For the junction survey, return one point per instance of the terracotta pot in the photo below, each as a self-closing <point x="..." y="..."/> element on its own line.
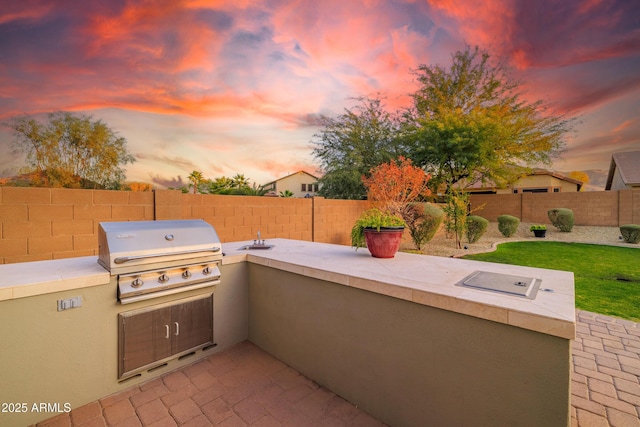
<point x="384" y="243"/>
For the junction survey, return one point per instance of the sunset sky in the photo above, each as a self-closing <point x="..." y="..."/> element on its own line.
<point x="226" y="87"/>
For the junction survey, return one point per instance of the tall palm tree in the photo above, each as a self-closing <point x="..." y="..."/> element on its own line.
<point x="195" y="178"/>
<point x="240" y="181"/>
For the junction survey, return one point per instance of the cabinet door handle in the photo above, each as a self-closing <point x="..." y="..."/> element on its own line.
<point x="177" y="328"/>
<point x="167" y="329"/>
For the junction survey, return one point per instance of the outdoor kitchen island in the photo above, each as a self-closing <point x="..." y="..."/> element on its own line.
<point x="396" y="337"/>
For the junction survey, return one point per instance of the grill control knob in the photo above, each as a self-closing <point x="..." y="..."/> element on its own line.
<point x="206" y="270"/>
<point x="163" y="278"/>
<point x="186" y="274"/>
<point x="137" y="282"/>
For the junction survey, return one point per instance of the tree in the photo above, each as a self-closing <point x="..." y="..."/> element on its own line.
<point x="138" y="186"/>
<point x="286" y="193"/>
<point x="195" y="179"/>
<point x="254" y="190"/>
<point x="222" y="185"/>
<point x="239" y="181"/>
<point x="580" y="176"/>
<point x="470" y="123"/>
<point x="350" y="145"/>
<point x="393" y="186"/>
<point x="72" y="150"/>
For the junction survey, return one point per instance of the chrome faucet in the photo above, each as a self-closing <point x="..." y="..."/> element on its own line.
<point x="258" y="242"/>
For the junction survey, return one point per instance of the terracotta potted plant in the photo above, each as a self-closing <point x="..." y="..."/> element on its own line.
<point x="379" y="231"/>
<point x="539" y="230"/>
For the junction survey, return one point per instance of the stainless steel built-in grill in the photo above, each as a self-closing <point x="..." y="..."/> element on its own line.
<point x="149" y="259"/>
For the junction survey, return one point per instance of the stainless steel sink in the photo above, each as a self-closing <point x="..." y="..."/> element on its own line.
<point x="520" y="286"/>
<point x="254" y="246"/>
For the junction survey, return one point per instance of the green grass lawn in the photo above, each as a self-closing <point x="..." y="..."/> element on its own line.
<point x="607" y="278"/>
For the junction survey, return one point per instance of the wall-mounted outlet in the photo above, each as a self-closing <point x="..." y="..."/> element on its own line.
<point x="66" y="304"/>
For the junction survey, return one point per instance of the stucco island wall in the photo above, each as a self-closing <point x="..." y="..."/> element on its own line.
<point x="409" y="364"/>
<point x="66" y="359"/>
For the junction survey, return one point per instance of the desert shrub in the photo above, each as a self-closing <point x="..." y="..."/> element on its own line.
<point x="476" y="226"/>
<point x="508" y="225"/>
<point x="630" y="233"/>
<point x="561" y="218"/>
<point x="423" y="221"/>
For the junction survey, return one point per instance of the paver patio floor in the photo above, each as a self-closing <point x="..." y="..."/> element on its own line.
<point x="244" y="386"/>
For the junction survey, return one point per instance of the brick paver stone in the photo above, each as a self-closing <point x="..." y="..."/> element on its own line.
<point x="184" y="411"/>
<point x="152" y="411"/>
<point x="86" y="413"/>
<point x="199" y="421"/>
<point x="250" y="410"/>
<point x="622" y="419"/>
<point x="589" y="419"/>
<point x="119" y="411"/>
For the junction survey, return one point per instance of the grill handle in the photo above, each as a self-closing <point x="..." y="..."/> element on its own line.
<point x="123" y="259"/>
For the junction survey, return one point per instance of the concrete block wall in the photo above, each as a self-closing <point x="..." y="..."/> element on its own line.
<point x="238" y="218"/>
<point x="333" y="219"/>
<point x="49" y="223"/>
<point x="598" y="208"/>
<point x="628" y="200"/>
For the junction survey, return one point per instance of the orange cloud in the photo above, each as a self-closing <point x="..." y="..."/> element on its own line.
<point x="624" y="125"/>
<point x="24" y="10"/>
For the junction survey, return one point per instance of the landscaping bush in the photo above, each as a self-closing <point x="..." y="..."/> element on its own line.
<point x="508" y="225"/>
<point x="476" y="226"/>
<point x="630" y="233"/>
<point x="561" y="218"/>
<point x="423" y="221"/>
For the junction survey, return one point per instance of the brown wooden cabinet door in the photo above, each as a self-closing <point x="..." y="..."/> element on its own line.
<point x="144" y="338"/>
<point x="192" y="324"/>
<point x="149" y="335"/>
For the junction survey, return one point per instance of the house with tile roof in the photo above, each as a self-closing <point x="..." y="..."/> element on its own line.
<point x="538" y="181"/>
<point x="624" y="171"/>
<point x="301" y="184"/>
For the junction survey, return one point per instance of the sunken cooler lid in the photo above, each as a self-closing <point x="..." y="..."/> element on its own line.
<point x="125" y="247"/>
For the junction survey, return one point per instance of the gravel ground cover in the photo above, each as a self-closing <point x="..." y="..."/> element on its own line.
<point x="443" y="245"/>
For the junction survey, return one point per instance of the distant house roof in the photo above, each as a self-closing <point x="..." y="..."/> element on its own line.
<point x="628" y="166"/>
<point x="559" y="176"/>
<point x="491" y="185"/>
<point x="290" y="175"/>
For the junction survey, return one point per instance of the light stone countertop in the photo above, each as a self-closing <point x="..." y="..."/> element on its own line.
<point x="27" y="279"/>
<point x="423" y="279"/>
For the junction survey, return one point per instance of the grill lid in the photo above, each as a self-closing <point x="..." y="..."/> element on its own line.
<point x="125" y="247"/>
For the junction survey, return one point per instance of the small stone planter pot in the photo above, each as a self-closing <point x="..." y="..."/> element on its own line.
<point x="540" y="233"/>
<point x="384" y="243"/>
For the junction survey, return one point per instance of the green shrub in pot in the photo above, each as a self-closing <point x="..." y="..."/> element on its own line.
<point x="373" y="218"/>
<point x="508" y="225"/>
<point x="630" y="233"/>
